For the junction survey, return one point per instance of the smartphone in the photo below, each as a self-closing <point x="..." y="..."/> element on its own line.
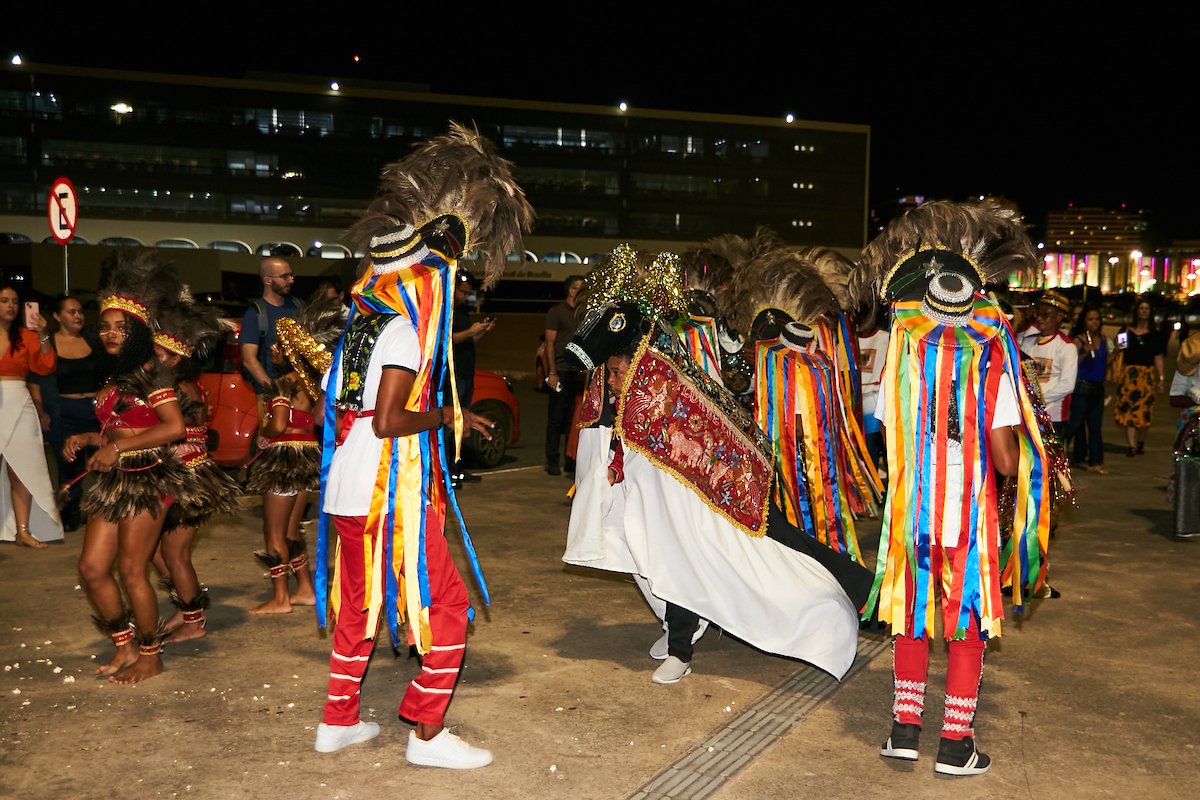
<point x="31" y="310"/>
<point x="1122" y="340"/>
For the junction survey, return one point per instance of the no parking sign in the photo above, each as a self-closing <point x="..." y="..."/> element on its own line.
<point x="62" y="210"/>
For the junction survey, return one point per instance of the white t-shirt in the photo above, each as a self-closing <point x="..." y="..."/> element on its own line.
<point x="1057" y="361"/>
<point x="872" y="351"/>
<point x="1007" y="414"/>
<point x="356" y="462"/>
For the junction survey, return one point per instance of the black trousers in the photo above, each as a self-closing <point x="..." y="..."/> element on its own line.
<point x="681" y="626"/>
<point x="560" y="406"/>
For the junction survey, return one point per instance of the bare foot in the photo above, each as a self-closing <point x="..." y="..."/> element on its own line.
<point x="144" y="667"/>
<point x="125" y="655"/>
<point x="173" y="623"/>
<point x="182" y="633"/>
<point x="273" y="606"/>
<point x="25" y="539"/>
<point x="303" y="597"/>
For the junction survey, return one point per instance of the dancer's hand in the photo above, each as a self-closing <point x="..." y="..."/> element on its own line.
<point x="104" y="459"/>
<point x="475" y="422"/>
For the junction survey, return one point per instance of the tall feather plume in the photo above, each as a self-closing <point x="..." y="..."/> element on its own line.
<point x="988" y="234"/>
<point x="198" y="325"/>
<point x="458" y="174"/>
<point x="835" y="270"/>
<point x="780" y="278"/>
<point x="734" y="253"/>
<point x="323" y="318"/>
<point x="128" y="274"/>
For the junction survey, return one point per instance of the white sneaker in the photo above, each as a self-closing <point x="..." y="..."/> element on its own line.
<point x="672" y="671"/>
<point x="659" y="649"/>
<point x="331" y="738"/>
<point x="445" y="750"/>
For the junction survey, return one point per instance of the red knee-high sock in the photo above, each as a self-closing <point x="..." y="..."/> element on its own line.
<point x="910" y="668"/>
<point x="964" y="671"/>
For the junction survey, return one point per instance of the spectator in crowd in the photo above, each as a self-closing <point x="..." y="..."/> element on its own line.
<point x="1055" y="355"/>
<point x="465" y="334"/>
<point x="258" y="323"/>
<point x="1087" y="402"/>
<point x="1141" y="347"/>
<point x="564" y="381"/>
<point x="29" y="513"/>
<point x="70" y="394"/>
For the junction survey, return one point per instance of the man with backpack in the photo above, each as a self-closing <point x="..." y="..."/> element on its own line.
<point x="258" y="323"/>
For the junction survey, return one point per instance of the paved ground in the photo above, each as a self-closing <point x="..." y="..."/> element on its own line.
<point x="1091" y="695"/>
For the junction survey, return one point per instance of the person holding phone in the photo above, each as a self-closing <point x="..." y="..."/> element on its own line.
<point x="1141" y="346"/>
<point x="1087" y="403"/>
<point x="464" y="335"/>
<point x="30" y="515"/>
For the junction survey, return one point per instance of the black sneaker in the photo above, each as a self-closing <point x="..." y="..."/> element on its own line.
<point x="959" y="757"/>
<point x="552" y="469"/>
<point x="903" y="742"/>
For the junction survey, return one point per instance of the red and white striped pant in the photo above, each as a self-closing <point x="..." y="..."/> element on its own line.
<point x="964" y="668"/>
<point x="429" y="693"/>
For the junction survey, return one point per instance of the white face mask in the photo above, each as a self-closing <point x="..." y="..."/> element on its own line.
<point x="473" y="299"/>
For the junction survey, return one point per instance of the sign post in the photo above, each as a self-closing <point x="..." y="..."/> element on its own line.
<point x="62" y="212"/>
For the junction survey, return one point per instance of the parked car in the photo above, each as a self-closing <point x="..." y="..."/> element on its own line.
<point x="233" y="412"/>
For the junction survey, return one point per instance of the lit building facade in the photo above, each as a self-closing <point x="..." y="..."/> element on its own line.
<point x="233" y="161"/>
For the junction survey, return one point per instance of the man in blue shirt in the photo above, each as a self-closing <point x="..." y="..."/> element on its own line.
<point x="258" y="323"/>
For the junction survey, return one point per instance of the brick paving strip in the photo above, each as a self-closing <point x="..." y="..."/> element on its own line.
<point x="713" y="761"/>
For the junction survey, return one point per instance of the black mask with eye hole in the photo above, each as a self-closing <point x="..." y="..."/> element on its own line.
<point x="612" y="329"/>
<point x="768" y="324"/>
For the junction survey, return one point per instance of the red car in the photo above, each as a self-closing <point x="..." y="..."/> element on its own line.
<point x="233" y="413"/>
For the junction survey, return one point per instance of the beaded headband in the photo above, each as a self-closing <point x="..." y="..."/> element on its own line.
<point x="128" y="305"/>
<point x="173" y="344"/>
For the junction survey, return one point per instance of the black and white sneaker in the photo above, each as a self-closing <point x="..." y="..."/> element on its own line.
<point x="902" y="744"/>
<point x="959" y="757"/>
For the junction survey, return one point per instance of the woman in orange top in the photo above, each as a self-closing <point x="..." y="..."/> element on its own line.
<point x="24" y="348"/>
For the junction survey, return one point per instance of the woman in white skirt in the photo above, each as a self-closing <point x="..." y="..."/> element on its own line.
<point x="30" y="515"/>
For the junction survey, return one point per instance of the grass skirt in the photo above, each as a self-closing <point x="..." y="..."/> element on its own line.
<point x="208" y="492"/>
<point x="286" y="468"/>
<point x="142" y="481"/>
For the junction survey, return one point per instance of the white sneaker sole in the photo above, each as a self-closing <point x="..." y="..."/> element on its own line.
<point x="445" y="764"/>
<point x="901" y="753"/>
<point x="669" y="682"/>
<point x="368" y="732"/>
<point x="968" y="769"/>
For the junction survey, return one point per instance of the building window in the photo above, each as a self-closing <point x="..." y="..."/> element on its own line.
<point x="541" y="137"/>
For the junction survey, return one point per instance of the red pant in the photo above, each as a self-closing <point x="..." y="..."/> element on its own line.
<point x="429" y="693"/>
<point x="964" y="670"/>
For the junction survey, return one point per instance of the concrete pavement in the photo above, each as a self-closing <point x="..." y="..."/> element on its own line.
<point x="1090" y="695"/>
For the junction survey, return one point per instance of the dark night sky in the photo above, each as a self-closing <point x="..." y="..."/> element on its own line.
<point x="1043" y="111"/>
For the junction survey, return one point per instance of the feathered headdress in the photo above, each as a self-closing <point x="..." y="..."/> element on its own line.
<point x="779" y="280"/>
<point x="460" y="175"/>
<point x="731" y="253"/>
<point x="835" y="270"/>
<point x="185" y="327"/>
<point x="983" y="242"/>
<point x="126" y="278"/>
